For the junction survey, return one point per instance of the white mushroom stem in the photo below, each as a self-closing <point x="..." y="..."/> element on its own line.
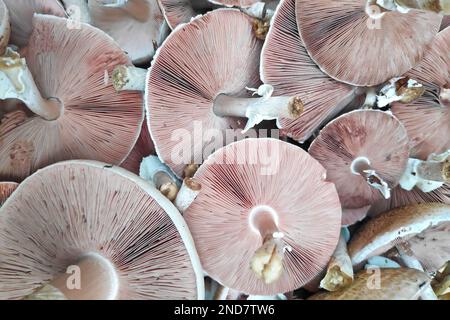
<point x="258" y="109"/>
<point x="361" y="166"/>
<point x="78" y="10"/>
<point x="221" y="292"/>
<point x="16" y="82"/>
<point x="410" y="261"/>
<point x="426" y="175"/>
<point x="371" y="99"/>
<point x="92" y="278"/>
<point x="267" y="261"/>
<point x="340" y="270"/>
<point x="445" y="95"/>
<point x="188" y="192"/>
<point x="164" y="183"/>
<point x="129" y="78"/>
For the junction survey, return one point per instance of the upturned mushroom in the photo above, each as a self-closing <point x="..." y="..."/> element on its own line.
<point x="21" y="15"/>
<point x="286" y="65"/>
<point x="363" y="43"/>
<point x="86" y="230"/>
<point x="6" y="189"/>
<point x="63" y="79"/>
<point x="381" y="284"/>
<point x="191" y="106"/>
<point x="365" y="153"/>
<point x="422" y="230"/>
<point x="254" y="239"/>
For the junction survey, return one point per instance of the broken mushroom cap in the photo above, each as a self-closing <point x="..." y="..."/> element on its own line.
<point x="190" y="107"/>
<point x="143" y="148"/>
<point x="124" y="237"/>
<point x="286" y="65"/>
<point x="365" y="153"/>
<point x="71" y="69"/>
<point x="424" y="228"/>
<point x="21" y="14"/>
<point x="427" y="119"/>
<point x="138" y="26"/>
<point x="5" y="27"/>
<point x="360" y="43"/>
<point x="381" y="284"/>
<point x="6" y="189"/>
<point x="177" y="12"/>
<point x="258" y="240"/>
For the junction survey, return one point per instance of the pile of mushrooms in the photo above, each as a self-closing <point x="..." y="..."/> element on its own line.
<point x="224" y="149"/>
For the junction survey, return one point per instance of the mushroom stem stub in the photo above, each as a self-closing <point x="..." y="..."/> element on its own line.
<point x="267" y="261"/>
<point x="164" y="183"/>
<point x="258" y="109"/>
<point x="93" y="277"/>
<point x="188" y="192"/>
<point x="361" y="166"/>
<point x="129" y="78"/>
<point x="16" y="82"/>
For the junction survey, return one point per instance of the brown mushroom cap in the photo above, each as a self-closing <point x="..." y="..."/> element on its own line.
<point x="414" y="224"/>
<point x="6" y="189"/>
<point x="286" y="65"/>
<point x="354" y="48"/>
<point x="21" y="13"/>
<point x="395" y="284"/>
<point x="73" y="209"/>
<point x="97" y="123"/>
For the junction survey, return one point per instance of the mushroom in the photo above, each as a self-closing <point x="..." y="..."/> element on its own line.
<point x="144" y="147"/>
<point x="256" y="239"/>
<point x="160" y="176"/>
<point x="381" y="284"/>
<point x="5" y="28"/>
<point x="445" y="22"/>
<point x="206" y="93"/>
<point x="365" y="153"/>
<point x="87" y="230"/>
<point x="77" y="113"/>
<point x="21" y="14"/>
<point x="6" y="189"/>
<point x="362" y="43"/>
<point x="423" y="229"/>
<point x="178" y="12"/>
<point x="286" y="66"/>
<point x="142" y="19"/>
<point x="352" y="216"/>
<point x="235" y="3"/>
<point x="427" y="119"/>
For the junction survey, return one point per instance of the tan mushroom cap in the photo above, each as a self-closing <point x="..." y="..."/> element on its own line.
<point x="399" y="225"/>
<point x="394" y="284"/>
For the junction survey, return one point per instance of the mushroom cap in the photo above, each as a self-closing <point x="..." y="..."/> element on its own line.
<point x="5" y="28"/>
<point x="427" y="119"/>
<point x="445" y="22"/>
<point x="375" y="135"/>
<point x="177" y="12"/>
<point x="417" y="224"/>
<point x="216" y="53"/>
<point x="395" y="284"/>
<point x="143" y="148"/>
<point x="352" y="216"/>
<point x="354" y="48"/>
<point x="234" y="185"/>
<point x="139" y="39"/>
<point x="235" y="3"/>
<point x="286" y="65"/>
<point x="21" y="14"/>
<point x="98" y="123"/>
<point x="6" y="189"/>
<point x="75" y="208"/>
<point x="400" y="198"/>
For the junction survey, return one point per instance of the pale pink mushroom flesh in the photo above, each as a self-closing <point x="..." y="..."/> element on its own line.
<point x="362" y="135"/>
<point x="235" y="207"/>
<point x="213" y="54"/>
<point x="96" y="122"/>
<point x="138" y="27"/>
<point x="355" y="42"/>
<point x="21" y="13"/>
<point x="77" y="209"/>
<point x="286" y="66"/>
<point x="427" y="119"/>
